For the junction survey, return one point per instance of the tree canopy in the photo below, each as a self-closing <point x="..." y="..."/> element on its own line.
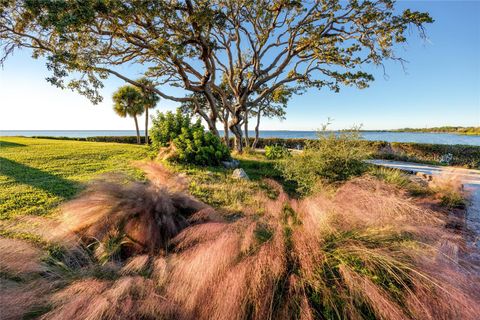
<point x="128" y="101"/>
<point x="234" y="53"/>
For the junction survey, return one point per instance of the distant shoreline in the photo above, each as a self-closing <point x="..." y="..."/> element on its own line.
<point x="473" y="132"/>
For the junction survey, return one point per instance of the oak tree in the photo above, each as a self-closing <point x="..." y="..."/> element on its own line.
<point x="253" y="46"/>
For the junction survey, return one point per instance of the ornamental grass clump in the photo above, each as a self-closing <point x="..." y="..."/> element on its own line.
<point x="120" y="217"/>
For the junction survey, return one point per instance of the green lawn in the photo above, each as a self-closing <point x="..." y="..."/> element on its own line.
<point x="38" y="174"/>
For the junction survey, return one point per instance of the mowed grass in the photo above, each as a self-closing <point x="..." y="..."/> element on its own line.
<point x="36" y="175"/>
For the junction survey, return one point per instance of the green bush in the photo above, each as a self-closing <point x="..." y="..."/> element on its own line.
<point x="196" y="146"/>
<point x="168" y="126"/>
<point x="190" y="142"/>
<point x="276" y="152"/>
<point x="331" y="158"/>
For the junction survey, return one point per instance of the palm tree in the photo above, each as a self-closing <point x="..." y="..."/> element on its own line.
<point x="150" y="100"/>
<point x="128" y="102"/>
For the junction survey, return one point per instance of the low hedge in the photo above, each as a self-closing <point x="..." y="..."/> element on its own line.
<point x="117" y="139"/>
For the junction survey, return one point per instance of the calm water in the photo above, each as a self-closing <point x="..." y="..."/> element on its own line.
<point x="420" y="137"/>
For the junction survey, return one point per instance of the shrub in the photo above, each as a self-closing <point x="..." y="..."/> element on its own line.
<point x="189" y="142"/>
<point x="167" y="126"/>
<point x="333" y="157"/>
<point x="276" y="152"/>
<point x="196" y="146"/>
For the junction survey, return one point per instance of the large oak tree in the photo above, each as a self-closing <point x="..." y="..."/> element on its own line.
<point x="252" y="47"/>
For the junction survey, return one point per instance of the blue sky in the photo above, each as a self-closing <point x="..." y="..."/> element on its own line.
<point x="439" y="86"/>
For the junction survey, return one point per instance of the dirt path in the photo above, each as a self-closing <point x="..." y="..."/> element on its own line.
<point x="469" y="177"/>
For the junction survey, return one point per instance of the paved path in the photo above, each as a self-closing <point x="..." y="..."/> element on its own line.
<point x="469" y="177"/>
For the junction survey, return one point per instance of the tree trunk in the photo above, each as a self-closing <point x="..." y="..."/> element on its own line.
<point x="245" y="128"/>
<point x="234" y="126"/>
<point x="257" y="130"/>
<point x="213" y="128"/>
<point x="136" y="127"/>
<point x="146" y="125"/>
<point x="226" y="134"/>
<point x="211" y="122"/>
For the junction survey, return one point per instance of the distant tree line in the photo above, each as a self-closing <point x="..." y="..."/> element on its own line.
<point x="445" y="129"/>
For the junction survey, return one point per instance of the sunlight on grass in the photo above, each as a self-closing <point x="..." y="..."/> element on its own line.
<point x="38" y="174"/>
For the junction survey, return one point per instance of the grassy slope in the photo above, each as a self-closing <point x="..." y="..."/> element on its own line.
<point x="37" y="174"/>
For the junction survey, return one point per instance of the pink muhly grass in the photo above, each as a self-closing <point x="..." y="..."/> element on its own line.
<point x="18" y="298"/>
<point x="367" y="251"/>
<point x="19" y="257"/>
<point x="140" y="217"/>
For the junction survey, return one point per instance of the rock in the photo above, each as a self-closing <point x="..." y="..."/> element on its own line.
<point x="240" y="174"/>
<point x="425" y="176"/>
<point x="419" y="180"/>
<point x="231" y="164"/>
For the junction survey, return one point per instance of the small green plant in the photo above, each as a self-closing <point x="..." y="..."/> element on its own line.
<point x="392" y="176"/>
<point x="276" y="152"/>
<point x="399" y="179"/>
<point x="452" y="199"/>
<point x="333" y="157"/>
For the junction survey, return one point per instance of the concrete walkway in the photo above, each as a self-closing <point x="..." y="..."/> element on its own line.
<point x="470" y="178"/>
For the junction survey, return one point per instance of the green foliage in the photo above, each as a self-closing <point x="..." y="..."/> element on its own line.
<point x="462" y="155"/>
<point x="196" y="146"/>
<point x="167" y="126"/>
<point x="149" y="98"/>
<point x="117" y="139"/>
<point x="276" y="152"/>
<point x="128" y="101"/>
<point x="453" y="200"/>
<point x="190" y="141"/>
<point x="392" y="176"/>
<point x="84" y="42"/>
<point x="399" y="179"/>
<point x="354" y="250"/>
<point x="331" y="158"/>
<point x="263" y="233"/>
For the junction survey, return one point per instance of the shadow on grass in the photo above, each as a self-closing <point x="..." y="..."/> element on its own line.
<point x="37" y="178"/>
<point x="8" y="144"/>
<point x="258" y="170"/>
